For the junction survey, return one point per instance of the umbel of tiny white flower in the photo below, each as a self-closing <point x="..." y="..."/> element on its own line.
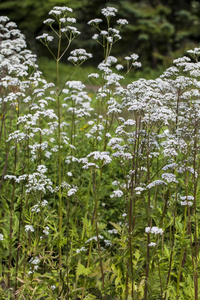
<point x="111" y="35"/>
<point x="154" y="230"/>
<point x="59" y="14"/>
<point x="29" y="228"/>
<point x="109" y="12"/>
<point x="79" y="56"/>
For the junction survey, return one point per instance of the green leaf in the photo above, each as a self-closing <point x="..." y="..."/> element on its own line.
<point x="81" y="270"/>
<point x="117" y="226"/>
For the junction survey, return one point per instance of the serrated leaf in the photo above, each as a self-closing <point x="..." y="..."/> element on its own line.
<point x="117" y="226"/>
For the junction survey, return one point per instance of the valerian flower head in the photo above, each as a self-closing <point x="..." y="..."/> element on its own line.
<point x="73" y="30"/>
<point x="195" y="52"/>
<point x="46" y="37"/>
<point x="35" y="208"/>
<point x="60" y="10"/>
<point x="186" y="203"/>
<point x="48" y="21"/>
<point x="4" y="19"/>
<point x="29" y="228"/>
<point x="102" y="156"/>
<point x="122" y="22"/>
<point x="34" y="261"/>
<point x="156" y="182"/>
<point x="53" y="287"/>
<point x="152" y="244"/>
<point x="169" y="177"/>
<point x="75" y="85"/>
<point x="83" y="249"/>
<point x="78" y="56"/>
<point x="116" y="194"/>
<point x="46" y="230"/>
<point x="95" y="75"/>
<point x="95" y="36"/>
<point x="71" y="20"/>
<point x="109" y="12"/>
<point x="95" y="21"/>
<point x="104" y="32"/>
<point x="154" y="230"/>
<point x="186" y="200"/>
<point x="119" y="67"/>
<point x="72" y="191"/>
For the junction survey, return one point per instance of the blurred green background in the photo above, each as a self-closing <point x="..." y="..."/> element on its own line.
<point x="158" y="30"/>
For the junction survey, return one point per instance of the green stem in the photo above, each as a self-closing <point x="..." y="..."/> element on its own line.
<point x="149" y="223"/>
<point x="181" y="256"/>
<point x="59" y="152"/>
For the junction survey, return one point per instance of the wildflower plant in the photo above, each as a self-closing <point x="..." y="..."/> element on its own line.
<point x="97" y="201"/>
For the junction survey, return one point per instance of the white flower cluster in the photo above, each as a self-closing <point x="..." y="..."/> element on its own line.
<point x="132" y="61"/>
<point x="15" y="59"/>
<point x="122" y="22"/>
<point x="152" y="244"/>
<point x="53" y="287"/>
<point x="46" y="37"/>
<point x="169" y="177"/>
<point x="83" y="249"/>
<point x="79" y="101"/>
<point x="111" y="35"/>
<point x="154" y="230"/>
<point x="109" y="12"/>
<point x="95" y="75"/>
<point x="78" y="56"/>
<point x="139" y="190"/>
<point x="95" y="22"/>
<point x="38" y="181"/>
<point x="35" y="208"/>
<point x="156" y="182"/>
<point x="60" y="10"/>
<point x="186" y="200"/>
<point x="46" y="230"/>
<point x="94" y="238"/>
<point x="108" y="243"/>
<point x="29" y="228"/>
<point x="116" y="194"/>
<point x="102" y="156"/>
<point x="72" y="191"/>
<point x="35" y="262"/>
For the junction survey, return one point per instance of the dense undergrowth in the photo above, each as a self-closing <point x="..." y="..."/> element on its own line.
<point x="99" y="192"/>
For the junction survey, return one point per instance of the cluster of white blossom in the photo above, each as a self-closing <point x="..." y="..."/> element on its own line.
<point x="116" y="194"/>
<point x="82" y="249"/>
<point x="154" y="230"/>
<point x="186" y="200"/>
<point x="77" y="102"/>
<point x="35" y="264"/>
<point x="39" y="182"/>
<point x="94" y="238"/>
<point x="79" y="56"/>
<point x="29" y="228"/>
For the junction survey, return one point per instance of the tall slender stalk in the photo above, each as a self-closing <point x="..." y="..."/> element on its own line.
<point x="149" y="222"/>
<point x="59" y="149"/>
<point x="181" y="255"/>
<point x="195" y="183"/>
<point x="172" y="245"/>
<point x="11" y="207"/>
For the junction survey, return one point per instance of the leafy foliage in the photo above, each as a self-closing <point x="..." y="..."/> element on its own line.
<point x="99" y="192"/>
